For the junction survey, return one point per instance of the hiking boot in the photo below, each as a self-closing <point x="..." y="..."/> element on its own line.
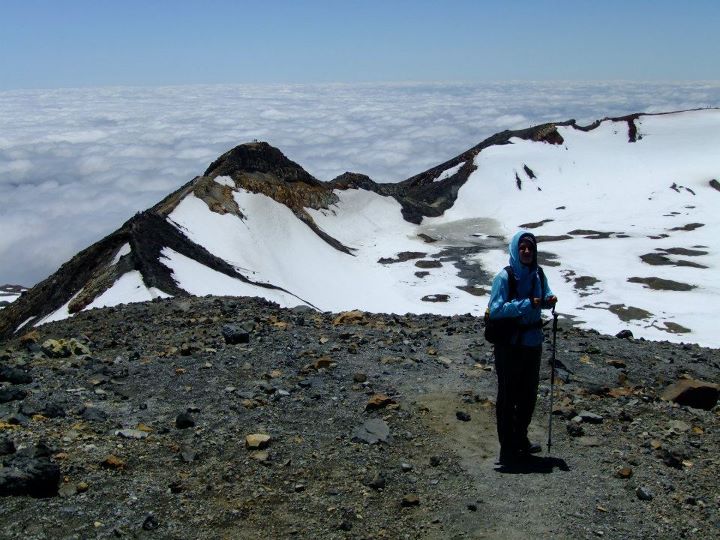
<point x="531" y="448"/>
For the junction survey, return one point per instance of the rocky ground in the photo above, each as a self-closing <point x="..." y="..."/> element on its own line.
<point x="232" y="418"/>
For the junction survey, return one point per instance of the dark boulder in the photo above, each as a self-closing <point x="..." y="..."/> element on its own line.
<point x="14" y="375"/>
<point x="234" y="335"/>
<point x="29" y="473"/>
<point x="693" y="393"/>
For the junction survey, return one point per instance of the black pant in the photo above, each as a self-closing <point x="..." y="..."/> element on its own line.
<point x="518" y="372"/>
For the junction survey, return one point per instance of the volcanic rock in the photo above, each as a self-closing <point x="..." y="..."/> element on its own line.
<point x="24" y="475"/>
<point x="234" y="335"/>
<point x="14" y="375"/>
<point x="372" y="431"/>
<point x="693" y="393"/>
<point x="257" y="441"/>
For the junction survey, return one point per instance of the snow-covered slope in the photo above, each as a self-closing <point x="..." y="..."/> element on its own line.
<point x="10" y="293"/>
<point x="625" y="211"/>
<point x="629" y="225"/>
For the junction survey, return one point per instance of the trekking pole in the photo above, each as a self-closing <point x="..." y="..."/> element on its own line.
<point x="552" y="377"/>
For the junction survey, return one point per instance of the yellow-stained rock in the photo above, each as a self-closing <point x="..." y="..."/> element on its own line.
<point x="257" y="441"/>
<point x="349" y="317"/>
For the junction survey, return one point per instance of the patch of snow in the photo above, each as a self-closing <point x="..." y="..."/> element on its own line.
<point x="124" y="250"/>
<point x="200" y="280"/>
<point x="8" y="297"/>
<point x="10" y="293"/>
<point x="225" y="181"/>
<point x="447" y="173"/>
<point x="128" y="288"/>
<point x="24" y="323"/>
<point x="59" y="314"/>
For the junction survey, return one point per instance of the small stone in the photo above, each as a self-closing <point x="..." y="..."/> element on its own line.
<point x="176" y="486"/>
<point x="349" y="317"/>
<point x="435" y="461"/>
<point x="679" y="426"/>
<point x="644" y="494"/>
<point x="82" y="487"/>
<point x="67" y="490"/>
<point x="472" y="507"/>
<point x="406" y="467"/>
<point x="187" y="454"/>
<point x="184" y="421"/>
<point x="375" y="481"/>
<point x="378" y="401"/>
<point x="93" y="414"/>
<point x="590" y="418"/>
<point x="7" y="447"/>
<point x="410" y="500"/>
<point x="261" y="456"/>
<point x="257" y="441"/>
<point x="31" y="337"/>
<point x="150" y="523"/>
<point x="574" y="429"/>
<point x="112" y="462"/>
<point x="624" y="472"/>
<point x="359" y="377"/>
<point x="624" y="334"/>
<point x="462" y="416"/>
<point x="131" y="433"/>
<point x="324" y="362"/>
<point x="17" y="419"/>
<point x="589" y="441"/>
<point x="671" y="458"/>
<point x="616" y="363"/>
<point x="298" y="488"/>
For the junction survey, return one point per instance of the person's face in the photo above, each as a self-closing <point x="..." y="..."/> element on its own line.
<point x="526" y="252"/>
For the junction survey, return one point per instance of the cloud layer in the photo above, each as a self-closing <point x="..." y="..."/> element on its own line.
<point x="76" y="163"/>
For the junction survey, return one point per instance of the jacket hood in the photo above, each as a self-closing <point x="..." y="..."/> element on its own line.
<point x="519" y="268"/>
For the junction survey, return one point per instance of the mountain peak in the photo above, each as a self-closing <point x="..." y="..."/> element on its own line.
<point x="259" y="157"/>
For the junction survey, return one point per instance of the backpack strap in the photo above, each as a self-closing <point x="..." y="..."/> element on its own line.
<point x="541" y="274"/>
<point x="512" y="283"/>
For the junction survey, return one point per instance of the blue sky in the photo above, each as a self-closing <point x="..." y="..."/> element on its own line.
<point x="71" y="43"/>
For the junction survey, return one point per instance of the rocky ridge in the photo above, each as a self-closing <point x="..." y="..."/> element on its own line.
<point x="223" y="417"/>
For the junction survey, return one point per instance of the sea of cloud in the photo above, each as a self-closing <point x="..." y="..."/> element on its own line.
<point x="76" y="163"/>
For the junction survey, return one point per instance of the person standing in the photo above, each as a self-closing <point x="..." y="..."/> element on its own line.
<point x="519" y="298"/>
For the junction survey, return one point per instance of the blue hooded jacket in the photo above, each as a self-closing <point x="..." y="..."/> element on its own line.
<point x="528" y="287"/>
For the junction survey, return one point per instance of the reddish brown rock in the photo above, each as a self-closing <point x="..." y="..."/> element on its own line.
<point x="112" y="462"/>
<point x="378" y="401"/>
